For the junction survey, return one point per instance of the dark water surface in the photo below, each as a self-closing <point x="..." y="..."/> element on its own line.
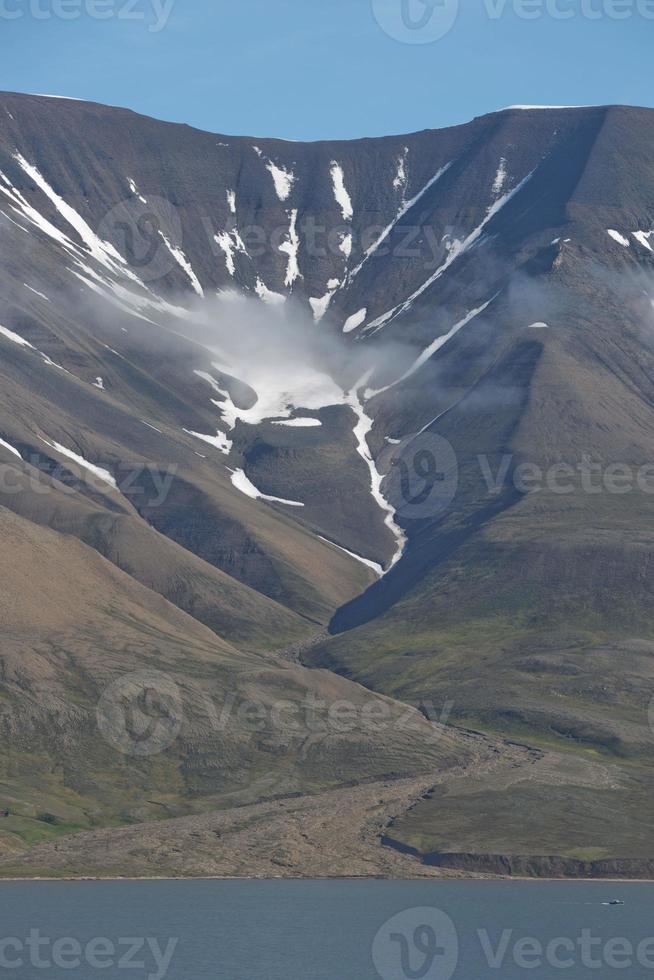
<point x="324" y="930"/>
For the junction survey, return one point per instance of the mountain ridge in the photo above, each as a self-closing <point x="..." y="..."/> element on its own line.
<point x="479" y="304"/>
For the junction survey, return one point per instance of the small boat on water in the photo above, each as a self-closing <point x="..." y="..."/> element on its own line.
<point x="615" y="901"/>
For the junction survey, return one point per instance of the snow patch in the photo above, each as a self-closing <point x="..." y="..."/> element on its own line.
<point x="345" y="245"/>
<point x="231" y="201"/>
<point x="230" y="242"/>
<point x="506" y="108"/>
<point x="64" y="98"/>
<point x="538" y="326"/>
<point x="617" y="237"/>
<point x="282" y="179"/>
<point x="224" y="241"/>
<point x="400" y="179"/>
<point x="98" y="383"/>
<point x="643" y="237"/>
<point x="280" y="390"/>
<point x="300" y="423"/>
<point x="268" y="295"/>
<point x="340" y="191"/>
<point x="500" y="178"/>
<point x="219" y="441"/>
<point x="355" y="320"/>
<point x="320" y="304"/>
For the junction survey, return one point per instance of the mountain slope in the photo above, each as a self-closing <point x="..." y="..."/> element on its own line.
<point x="398" y="387"/>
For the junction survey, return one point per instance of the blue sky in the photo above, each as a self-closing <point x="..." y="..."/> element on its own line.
<point x="314" y="69"/>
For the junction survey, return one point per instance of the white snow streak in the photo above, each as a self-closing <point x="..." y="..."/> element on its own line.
<point x="134" y="189"/>
<point x="14" y="337"/>
<point x="242" y="483"/>
<point x="290" y="248"/>
<point x="230" y="242"/>
<point x="361" y="431"/>
<point x="224" y="241"/>
<point x="37" y="293"/>
<point x="457" y="249"/>
<point x="231" y="201"/>
<point x="10" y="448"/>
<point x="103" y="252"/>
<point x="91" y="467"/>
<point x="500" y="178"/>
<point x="429" y="352"/>
<point x="22" y="207"/>
<point x="377" y="569"/>
<point x="439" y="342"/>
<point x="183" y="263"/>
<point x="398" y="217"/>
<point x="400" y="179"/>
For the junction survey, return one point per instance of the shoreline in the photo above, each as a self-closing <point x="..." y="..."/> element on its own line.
<point x="453" y="880"/>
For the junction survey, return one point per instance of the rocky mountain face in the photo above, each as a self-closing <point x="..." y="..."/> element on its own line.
<point x="358" y="423"/>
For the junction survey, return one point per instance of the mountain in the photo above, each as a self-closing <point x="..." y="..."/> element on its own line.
<point x="365" y="424"/>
